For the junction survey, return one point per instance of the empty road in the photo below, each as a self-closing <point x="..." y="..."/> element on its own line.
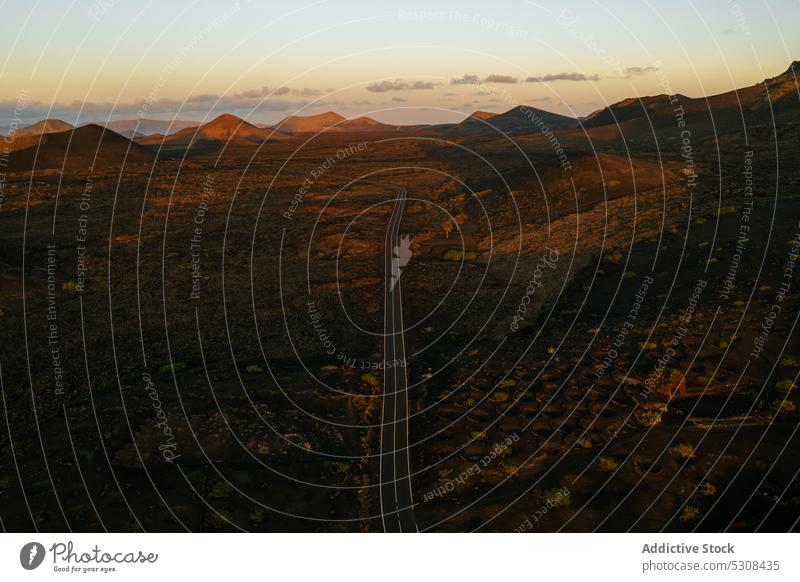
<point x="395" y="481"/>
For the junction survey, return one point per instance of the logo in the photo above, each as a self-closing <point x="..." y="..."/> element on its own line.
<point x="31" y="555"/>
<point x="401" y="254"/>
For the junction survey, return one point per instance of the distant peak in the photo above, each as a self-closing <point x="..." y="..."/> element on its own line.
<point x="226" y="118"/>
<point x="483" y="115"/>
<point x="794" y="69"/>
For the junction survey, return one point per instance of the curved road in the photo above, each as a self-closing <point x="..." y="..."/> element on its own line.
<point x="397" y="503"/>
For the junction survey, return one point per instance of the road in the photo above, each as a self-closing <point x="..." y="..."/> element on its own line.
<point x="397" y="504"/>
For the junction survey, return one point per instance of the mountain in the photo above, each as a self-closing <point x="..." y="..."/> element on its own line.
<point x="634" y="108"/>
<point x="224" y="130"/>
<point x="519" y="120"/>
<point x="328" y="121"/>
<point x="80" y="150"/>
<point x="42" y="127"/>
<point x="144" y="127"/>
<point x="777" y="94"/>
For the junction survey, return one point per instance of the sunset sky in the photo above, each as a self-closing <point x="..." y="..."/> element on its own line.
<point x="429" y="61"/>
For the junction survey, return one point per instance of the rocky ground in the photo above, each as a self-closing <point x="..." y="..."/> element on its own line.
<point x="198" y="347"/>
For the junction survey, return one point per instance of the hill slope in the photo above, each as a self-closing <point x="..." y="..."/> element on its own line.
<point x="224" y="130"/>
<point x="42" y="127"/>
<point x="519" y="120"/>
<point x="145" y="127"/>
<point x="80" y="150"/>
<point x="329" y="121"/>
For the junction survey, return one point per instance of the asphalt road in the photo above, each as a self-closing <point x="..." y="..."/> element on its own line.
<point x="397" y="504"/>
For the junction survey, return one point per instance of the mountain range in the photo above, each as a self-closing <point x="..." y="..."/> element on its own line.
<point x="47" y="141"/>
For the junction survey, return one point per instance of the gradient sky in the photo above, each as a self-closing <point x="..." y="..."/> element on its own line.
<point x="397" y="62"/>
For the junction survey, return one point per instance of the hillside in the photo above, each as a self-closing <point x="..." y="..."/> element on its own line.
<point x="226" y="129"/>
<point x="519" y="120"/>
<point x="145" y="127"/>
<point x="329" y="121"/>
<point x="80" y="150"/>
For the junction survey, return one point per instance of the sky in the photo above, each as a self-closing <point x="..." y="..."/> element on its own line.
<point x="399" y="62"/>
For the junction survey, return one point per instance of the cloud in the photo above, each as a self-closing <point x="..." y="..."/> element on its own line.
<point x="194" y="106"/>
<point x="633" y="71"/>
<point x="466" y="80"/>
<point x="400" y="85"/>
<point x="728" y="31"/>
<point x="563" y="77"/>
<point x="278" y="92"/>
<point x="500" y="79"/>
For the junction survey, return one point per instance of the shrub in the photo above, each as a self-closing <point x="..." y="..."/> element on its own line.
<point x="629" y="275"/>
<point x="508" y="469"/>
<point x="707" y="489"/>
<point x="72" y="286"/>
<point x="220" y="518"/>
<point x="607" y="464"/>
<point x="650" y="414"/>
<point x="254" y="369"/>
<point x="690" y="513"/>
<point x="370" y="380"/>
<point x="784" y="405"/>
<point x="258" y="516"/>
<point x="172" y="368"/>
<point x="683" y="451"/>
<point x="221" y="490"/>
<point x="724" y="210"/>
<point x="500" y="397"/>
<point x="788" y="363"/>
<point x="671" y="382"/>
<point x="459" y="255"/>
<point x="556" y="497"/>
<point x="785" y="385"/>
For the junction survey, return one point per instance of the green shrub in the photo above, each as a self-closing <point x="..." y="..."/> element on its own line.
<point x="458" y="255"/>
<point x="370" y="380"/>
<point x="172" y="368"/>
<point x="220" y="518"/>
<point x="689" y="513"/>
<point x="221" y="490"/>
<point x="258" y="516"/>
<point x="556" y="497"/>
